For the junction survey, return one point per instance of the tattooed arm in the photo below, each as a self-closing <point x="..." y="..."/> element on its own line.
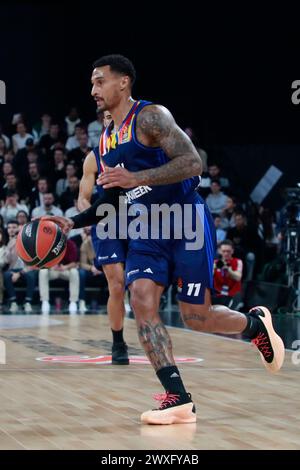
<point x="156" y="127"/>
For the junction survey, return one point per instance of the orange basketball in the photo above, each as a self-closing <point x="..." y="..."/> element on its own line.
<point x="41" y="244"/>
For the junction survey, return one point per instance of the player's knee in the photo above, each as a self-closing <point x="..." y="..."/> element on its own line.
<point x="140" y="300"/>
<point x="137" y="302"/>
<point x="116" y="288"/>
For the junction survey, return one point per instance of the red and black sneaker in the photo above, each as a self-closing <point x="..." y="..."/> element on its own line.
<point x="269" y="344"/>
<point x="173" y="409"/>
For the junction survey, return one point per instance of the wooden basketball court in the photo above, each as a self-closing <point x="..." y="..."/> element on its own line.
<point x="53" y="405"/>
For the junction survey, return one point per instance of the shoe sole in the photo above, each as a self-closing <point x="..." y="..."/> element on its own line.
<point x="182" y="414"/>
<point x="120" y="363"/>
<point x="276" y="342"/>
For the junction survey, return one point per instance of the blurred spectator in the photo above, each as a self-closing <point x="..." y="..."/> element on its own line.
<point x="32" y="157"/>
<point x="19" y="139"/>
<point x="95" y="129"/>
<point x="107" y="118"/>
<point x="11" y="207"/>
<point x="63" y="183"/>
<point x="66" y="270"/>
<point x="216" y="201"/>
<point x="228" y="213"/>
<point x="87" y="271"/>
<point x="79" y="153"/>
<point x="33" y="174"/>
<point x="49" y="141"/>
<point x="214" y="172"/>
<point x="37" y="194"/>
<point x="59" y="170"/>
<point x="9" y="156"/>
<point x="42" y="127"/>
<point x="3" y="262"/>
<point x="22" y="218"/>
<point x="71" y="193"/>
<point x="73" y="141"/>
<point x="71" y="120"/>
<point x="20" y="161"/>
<point x="7" y="169"/>
<point x="228" y="272"/>
<point x="247" y="244"/>
<point x="4" y="137"/>
<point x="31" y="177"/>
<point x="16" y="271"/>
<point x="11" y="184"/>
<point x="47" y="208"/>
<point x="221" y="234"/>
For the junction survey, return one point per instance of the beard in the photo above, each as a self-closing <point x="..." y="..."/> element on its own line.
<point x="101" y="108"/>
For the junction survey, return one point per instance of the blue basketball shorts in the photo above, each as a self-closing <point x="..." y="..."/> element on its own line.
<point x="108" y="251"/>
<point x="168" y="261"/>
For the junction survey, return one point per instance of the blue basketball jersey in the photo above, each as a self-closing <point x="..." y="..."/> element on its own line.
<point x="122" y="148"/>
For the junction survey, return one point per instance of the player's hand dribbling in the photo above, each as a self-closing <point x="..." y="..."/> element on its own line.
<point x="64" y="223"/>
<point x="117" y="177"/>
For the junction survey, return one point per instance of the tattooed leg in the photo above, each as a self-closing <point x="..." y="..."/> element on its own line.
<point x="156" y="343"/>
<point x="153" y="335"/>
<point x="212" y="318"/>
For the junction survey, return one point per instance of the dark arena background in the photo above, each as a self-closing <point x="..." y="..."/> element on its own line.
<point x="232" y="81"/>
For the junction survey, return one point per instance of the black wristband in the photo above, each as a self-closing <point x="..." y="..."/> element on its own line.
<point x="89" y="216"/>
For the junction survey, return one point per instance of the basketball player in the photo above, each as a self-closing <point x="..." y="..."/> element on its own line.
<point x="160" y="164"/>
<point x="110" y="254"/>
